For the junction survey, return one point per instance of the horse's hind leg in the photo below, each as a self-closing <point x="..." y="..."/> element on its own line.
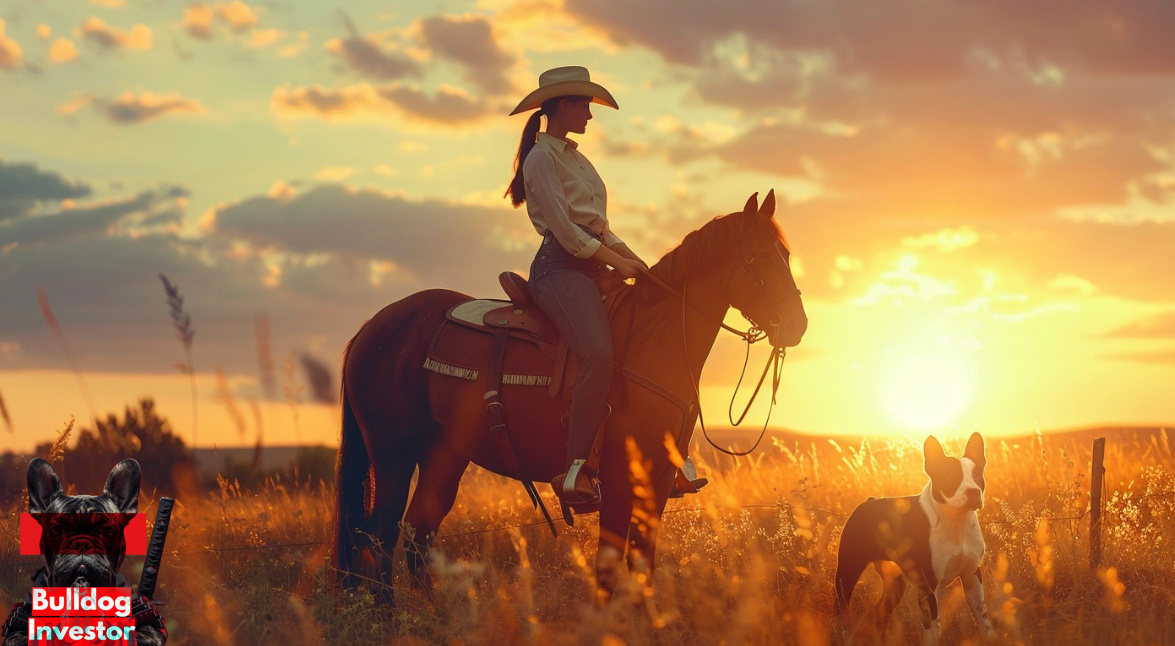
<point x="436" y="489"/>
<point x="393" y="480"/>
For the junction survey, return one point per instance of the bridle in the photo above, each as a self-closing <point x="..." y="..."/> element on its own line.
<point x="753" y="335"/>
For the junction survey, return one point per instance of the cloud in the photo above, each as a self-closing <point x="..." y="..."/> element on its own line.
<point x="264" y="37"/>
<point x="448" y="106"/>
<point x="11" y="52"/>
<point x="84" y="221"/>
<point x="62" y="51"/>
<point x="905" y="41"/>
<point x="1042" y="257"/>
<point x="1162" y="357"/>
<point x="470" y="41"/>
<point x="356" y="101"/>
<point x="545" y="26"/>
<point x="96" y="30"/>
<point x="363" y="101"/>
<point x="943" y="240"/>
<point x="367" y="57"/>
<point x="199" y="18"/>
<point x="319" y="262"/>
<point x="1155" y="326"/>
<point x="237" y="15"/>
<point x="130" y="108"/>
<point x="334" y="173"/>
<point x="430" y="239"/>
<point x="23" y="186"/>
<point x="921" y="170"/>
<point x="198" y="21"/>
<point x="974" y="110"/>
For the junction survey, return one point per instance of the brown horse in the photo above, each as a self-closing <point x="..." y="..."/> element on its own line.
<point x="399" y="417"/>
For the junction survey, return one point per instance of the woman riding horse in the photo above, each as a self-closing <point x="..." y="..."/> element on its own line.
<point x="567" y="203"/>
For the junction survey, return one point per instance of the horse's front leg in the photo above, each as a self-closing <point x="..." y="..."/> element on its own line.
<point x="615" y="515"/>
<point x="629" y="522"/>
<point x="648" y="506"/>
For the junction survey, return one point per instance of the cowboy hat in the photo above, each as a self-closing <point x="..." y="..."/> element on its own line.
<point x="572" y="80"/>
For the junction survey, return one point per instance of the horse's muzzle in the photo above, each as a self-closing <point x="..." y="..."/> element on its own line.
<point x="786" y="327"/>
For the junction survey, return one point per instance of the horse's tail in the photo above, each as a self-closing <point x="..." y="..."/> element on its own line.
<point x="352" y="478"/>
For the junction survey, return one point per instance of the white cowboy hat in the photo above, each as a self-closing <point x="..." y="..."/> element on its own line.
<point x="572" y="80"/>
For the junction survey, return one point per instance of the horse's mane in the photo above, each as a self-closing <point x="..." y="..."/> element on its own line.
<point x="698" y="252"/>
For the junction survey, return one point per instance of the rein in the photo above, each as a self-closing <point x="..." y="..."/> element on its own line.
<point x="753" y="335"/>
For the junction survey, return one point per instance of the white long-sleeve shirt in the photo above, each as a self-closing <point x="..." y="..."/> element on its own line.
<point x="564" y="190"/>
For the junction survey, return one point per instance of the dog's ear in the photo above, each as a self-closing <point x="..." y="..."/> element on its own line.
<point x="123" y="486"/>
<point x="974" y="450"/>
<point x="44" y="485"/>
<point x="933" y="453"/>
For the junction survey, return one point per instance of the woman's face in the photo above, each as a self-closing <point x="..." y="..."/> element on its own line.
<point x="575" y="113"/>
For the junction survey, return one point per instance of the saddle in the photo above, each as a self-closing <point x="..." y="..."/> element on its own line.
<point x="466" y="344"/>
<point x="473" y="340"/>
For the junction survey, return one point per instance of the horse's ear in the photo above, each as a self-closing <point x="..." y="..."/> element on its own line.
<point x="752" y="203"/>
<point x="768" y="208"/>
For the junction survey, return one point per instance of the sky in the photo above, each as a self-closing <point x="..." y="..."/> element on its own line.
<point x="979" y="197"/>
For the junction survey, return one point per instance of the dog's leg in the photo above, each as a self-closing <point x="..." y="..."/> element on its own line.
<point x="849" y="567"/>
<point x="973" y="587"/>
<point x="894" y="583"/>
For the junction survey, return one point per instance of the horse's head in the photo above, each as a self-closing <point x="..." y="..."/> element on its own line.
<point x="762" y="286"/>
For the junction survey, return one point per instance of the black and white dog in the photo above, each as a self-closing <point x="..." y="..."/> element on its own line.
<point x="928" y="540"/>
<point x="83" y="545"/>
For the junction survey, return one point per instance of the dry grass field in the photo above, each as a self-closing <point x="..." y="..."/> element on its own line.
<point x="750" y="560"/>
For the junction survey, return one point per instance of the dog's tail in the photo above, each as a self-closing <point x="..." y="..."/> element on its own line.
<point x="353" y="489"/>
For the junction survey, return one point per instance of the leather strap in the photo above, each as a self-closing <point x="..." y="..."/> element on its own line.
<point x="497" y="418"/>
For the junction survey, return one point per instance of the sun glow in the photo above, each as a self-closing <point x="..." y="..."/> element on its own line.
<point x="924" y="391"/>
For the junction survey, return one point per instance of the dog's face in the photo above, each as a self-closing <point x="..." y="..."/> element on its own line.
<point x="82" y="536"/>
<point x="956" y="482"/>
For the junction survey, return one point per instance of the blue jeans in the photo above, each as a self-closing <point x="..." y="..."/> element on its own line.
<point x="565" y="289"/>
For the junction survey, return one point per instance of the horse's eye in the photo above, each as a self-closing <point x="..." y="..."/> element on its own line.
<point x="55" y="531"/>
<point x="750" y="259"/>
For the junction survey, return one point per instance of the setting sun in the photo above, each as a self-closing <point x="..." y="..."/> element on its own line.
<point x="924" y="391"/>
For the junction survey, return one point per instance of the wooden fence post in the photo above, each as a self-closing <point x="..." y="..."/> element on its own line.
<point x="1097" y="474"/>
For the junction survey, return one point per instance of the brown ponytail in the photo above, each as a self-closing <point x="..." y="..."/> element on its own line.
<point x="517" y="189"/>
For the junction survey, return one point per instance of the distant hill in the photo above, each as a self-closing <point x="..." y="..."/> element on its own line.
<point x="272" y="457"/>
<point x="735" y="439"/>
<point x="277" y="457"/>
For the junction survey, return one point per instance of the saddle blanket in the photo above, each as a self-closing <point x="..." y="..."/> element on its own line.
<point x="462" y="345"/>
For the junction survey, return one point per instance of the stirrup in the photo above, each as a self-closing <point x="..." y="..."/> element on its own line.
<point x="686" y="480"/>
<point x="576" y="499"/>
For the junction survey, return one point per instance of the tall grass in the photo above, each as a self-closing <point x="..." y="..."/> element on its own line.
<point x="750" y="560"/>
<point x="186" y="333"/>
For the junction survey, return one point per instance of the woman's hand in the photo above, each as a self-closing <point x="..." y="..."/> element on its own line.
<point x="629" y="268"/>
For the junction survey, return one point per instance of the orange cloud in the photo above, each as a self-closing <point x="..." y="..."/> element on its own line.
<point x="10" y="50"/>
<point x="62" y="51"/>
<point x="264" y="37"/>
<point x="139" y="37"/>
<point x="198" y="21"/>
<point x="198" y="18"/>
<point x="344" y="103"/>
<point x="237" y="14"/>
